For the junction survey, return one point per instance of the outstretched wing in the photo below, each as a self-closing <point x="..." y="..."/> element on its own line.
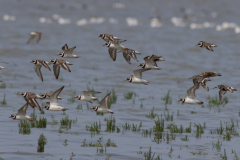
<point x="54" y="97"/>
<point x="138" y="72"/>
<point x="105" y="101"/>
<point x="56" y="70"/>
<point x="38" y="71"/>
<point x="191" y="91"/>
<point x="89" y="92"/>
<point x="113" y="53"/>
<point x="221" y="92"/>
<point x="31" y="38"/>
<point x="23" y="109"/>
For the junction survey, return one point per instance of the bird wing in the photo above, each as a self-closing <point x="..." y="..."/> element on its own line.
<point x="191" y="91"/>
<point x="127" y="57"/>
<point x="31" y="38"/>
<point x="56" y="70"/>
<point x="148" y="60"/>
<point x="45" y="65"/>
<point x="132" y="54"/>
<point x="89" y="92"/>
<point x="38" y="71"/>
<point x="65" y="66"/>
<point x="221" y="92"/>
<point x="23" y="109"/>
<point x="105" y="101"/>
<point x="35" y="103"/>
<point x="39" y="37"/>
<point x="54" y="97"/>
<point x="113" y="53"/>
<point x="65" y="47"/>
<point x="138" y="72"/>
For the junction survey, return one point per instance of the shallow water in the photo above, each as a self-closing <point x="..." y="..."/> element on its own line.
<point x="130" y="20"/>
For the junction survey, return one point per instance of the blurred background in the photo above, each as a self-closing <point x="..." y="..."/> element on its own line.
<point x="169" y="28"/>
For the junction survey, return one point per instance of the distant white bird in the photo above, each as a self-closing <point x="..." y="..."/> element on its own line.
<point x="33" y="35"/>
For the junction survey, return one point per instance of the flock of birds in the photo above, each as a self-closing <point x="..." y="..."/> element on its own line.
<point x="114" y="46"/>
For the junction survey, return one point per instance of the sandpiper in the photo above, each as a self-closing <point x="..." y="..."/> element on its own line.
<point x="150" y="62"/>
<point x="223" y="90"/>
<point x="87" y="96"/>
<point x="190" y="99"/>
<point x="21" y="115"/>
<point x="206" y="45"/>
<point x="67" y="53"/>
<point x="33" y="35"/>
<point x="210" y="74"/>
<point x="107" y="37"/>
<point x="129" y="53"/>
<point x="30" y="98"/>
<point x="113" y="47"/>
<point x="137" y="78"/>
<point x="201" y="80"/>
<point x="38" y="64"/>
<point x="56" y="66"/>
<point x="103" y="107"/>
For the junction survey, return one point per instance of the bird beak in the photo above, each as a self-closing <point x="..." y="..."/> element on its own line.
<point x="31" y="62"/>
<point x="76" y="96"/>
<point x="214" y="87"/>
<point x="10" y="117"/>
<point x="19" y="94"/>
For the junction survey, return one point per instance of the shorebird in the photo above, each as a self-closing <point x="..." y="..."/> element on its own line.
<point x="150" y="62"/>
<point x="87" y="96"/>
<point x="37" y="67"/>
<point x="190" y="99"/>
<point x="33" y="35"/>
<point x="21" y="115"/>
<point x="128" y="54"/>
<point x="56" y="66"/>
<point x="103" y="107"/>
<point x="67" y="53"/>
<point x="108" y="37"/>
<point x="223" y="90"/>
<point x="210" y="74"/>
<point x="48" y="95"/>
<point x="206" y="45"/>
<point x="137" y="78"/>
<point x="30" y="98"/>
<point x="113" y="47"/>
<point x="201" y="80"/>
<point x="53" y="104"/>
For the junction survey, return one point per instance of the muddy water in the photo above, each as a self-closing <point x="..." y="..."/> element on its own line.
<point x="79" y="24"/>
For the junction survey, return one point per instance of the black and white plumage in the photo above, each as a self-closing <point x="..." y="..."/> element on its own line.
<point x="67" y="53"/>
<point x="103" y="107"/>
<point x="37" y="67"/>
<point x="137" y="77"/>
<point x="53" y="104"/>
<point x="87" y="96"/>
<point x="56" y="66"/>
<point x="21" y="115"/>
<point x="206" y="45"/>
<point x="150" y="62"/>
<point x="190" y="98"/>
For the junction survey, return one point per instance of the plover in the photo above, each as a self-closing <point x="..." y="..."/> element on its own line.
<point x="190" y="99"/>
<point x="206" y="45"/>
<point x="137" y="78"/>
<point x="107" y="37"/>
<point x="53" y="104"/>
<point x="87" y="96"/>
<point x="150" y="62"/>
<point x="129" y="53"/>
<point x="30" y="98"/>
<point x="56" y="66"/>
<point x="210" y="74"/>
<point x="21" y="115"/>
<point x="201" y="80"/>
<point x="223" y="90"/>
<point x="113" y="47"/>
<point x="47" y="96"/>
<point x="103" y="107"/>
<point x="33" y="35"/>
<point x="67" y="53"/>
<point x="38" y="64"/>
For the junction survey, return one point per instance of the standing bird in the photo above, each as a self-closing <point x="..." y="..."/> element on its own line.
<point x="33" y="35"/>
<point x="128" y="54"/>
<point x="150" y="62"/>
<point x="38" y="64"/>
<point x="67" y="53"/>
<point x="201" y="80"/>
<point x="56" y="66"/>
<point x="206" y="45"/>
<point x="190" y="99"/>
<point x="210" y="74"/>
<point x="223" y="90"/>
<point x="137" y="78"/>
<point x="103" y="107"/>
<point x="108" y="37"/>
<point x="87" y="96"/>
<point x="30" y="98"/>
<point x="113" y="47"/>
<point x="48" y="95"/>
<point x="21" y="115"/>
<point x="53" y="104"/>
